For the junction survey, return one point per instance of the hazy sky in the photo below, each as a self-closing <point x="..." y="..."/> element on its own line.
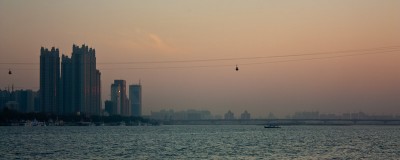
<point x="170" y="30"/>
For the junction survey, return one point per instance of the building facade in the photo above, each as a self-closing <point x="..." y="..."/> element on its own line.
<point x="245" y="115"/>
<point x="5" y="96"/>
<point x="135" y="98"/>
<point x="85" y="93"/>
<point x="229" y="115"/>
<point x="66" y="82"/>
<point x="77" y="89"/>
<point x="50" y="80"/>
<point x="116" y="99"/>
<point x="108" y="108"/>
<point x="119" y="98"/>
<point x="25" y="100"/>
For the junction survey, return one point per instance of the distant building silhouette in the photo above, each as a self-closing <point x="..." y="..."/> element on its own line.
<point x="77" y="89"/>
<point x="85" y="81"/>
<point x="181" y="115"/>
<point x="36" y="101"/>
<point x="19" y="100"/>
<point x="119" y="98"/>
<point x="50" y="80"/>
<point x="81" y="86"/>
<point x="67" y="84"/>
<point x="229" y="115"/>
<point x="306" y="115"/>
<point x="4" y="98"/>
<point x="108" y="107"/>
<point x="245" y="115"/>
<point x="25" y="100"/>
<point x="116" y="99"/>
<point x="135" y="98"/>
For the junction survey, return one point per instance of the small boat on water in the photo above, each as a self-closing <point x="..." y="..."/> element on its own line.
<point x="34" y="123"/>
<point x="122" y="123"/>
<point x="272" y="125"/>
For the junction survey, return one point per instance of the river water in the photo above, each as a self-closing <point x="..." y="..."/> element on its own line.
<point x="200" y="142"/>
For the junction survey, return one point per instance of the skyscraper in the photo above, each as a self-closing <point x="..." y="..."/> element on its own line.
<point x="80" y="81"/>
<point x="135" y="97"/>
<point x="85" y="78"/>
<point x="119" y="98"/>
<point x="97" y="93"/>
<point x="49" y="80"/>
<point x="116" y="99"/>
<point x="66" y="82"/>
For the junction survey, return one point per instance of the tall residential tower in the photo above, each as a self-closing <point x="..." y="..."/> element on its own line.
<point x="66" y="82"/>
<point x="135" y="97"/>
<point x="50" y="81"/>
<point x="119" y="98"/>
<point x="86" y="97"/>
<point x="77" y="89"/>
<point x="81" y="82"/>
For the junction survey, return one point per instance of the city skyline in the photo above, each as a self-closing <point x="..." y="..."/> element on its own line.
<point x="72" y="85"/>
<point x="137" y="31"/>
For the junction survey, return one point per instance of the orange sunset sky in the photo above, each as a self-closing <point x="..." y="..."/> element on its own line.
<point x="183" y="30"/>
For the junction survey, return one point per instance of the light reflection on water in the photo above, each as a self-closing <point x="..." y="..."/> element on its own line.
<point x="201" y="142"/>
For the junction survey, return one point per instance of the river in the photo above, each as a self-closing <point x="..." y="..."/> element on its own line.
<point x="200" y="142"/>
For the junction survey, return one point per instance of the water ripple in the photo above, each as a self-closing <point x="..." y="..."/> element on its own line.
<point x="200" y="142"/>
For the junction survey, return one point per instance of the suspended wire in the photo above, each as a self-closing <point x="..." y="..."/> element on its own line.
<point x="259" y="57"/>
<point x="329" y="57"/>
<point x="256" y="63"/>
<point x="336" y="54"/>
<point x="227" y="59"/>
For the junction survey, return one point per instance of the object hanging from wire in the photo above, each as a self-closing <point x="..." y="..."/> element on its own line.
<point x="9" y="71"/>
<point x="237" y="68"/>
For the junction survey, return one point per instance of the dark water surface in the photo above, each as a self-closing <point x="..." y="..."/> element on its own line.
<point x="200" y="142"/>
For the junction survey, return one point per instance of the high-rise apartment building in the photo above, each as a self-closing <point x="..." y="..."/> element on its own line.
<point x="84" y="91"/>
<point x="135" y="98"/>
<point x="50" y="80"/>
<point x="119" y="98"/>
<point x="66" y="82"/>
<point x="116" y="99"/>
<point x="77" y="89"/>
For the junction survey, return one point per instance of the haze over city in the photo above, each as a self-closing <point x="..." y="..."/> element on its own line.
<point x="127" y="35"/>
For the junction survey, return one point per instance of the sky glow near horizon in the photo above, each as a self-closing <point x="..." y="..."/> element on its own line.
<point x="179" y="30"/>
